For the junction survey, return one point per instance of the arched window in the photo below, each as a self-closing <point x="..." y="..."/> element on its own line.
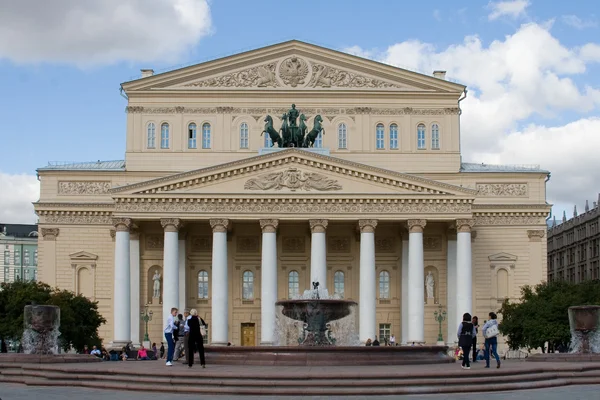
<point x="384" y="285"/>
<point x="435" y="137"/>
<point x="338" y="283"/>
<point x="203" y="285"/>
<point x="164" y="136"/>
<point x="151" y="135"/>
<point x="206" y="136"/>
<point x="379" y="137"/>
<point x="393" y="136"/>
<point x="342" y="136"/>
<point x="248" y="285"/>
<point x="293" y="285"/>
<point x="421" y="136"/>
<point x="268" y="141"/>
<point x="192" y="136"/>
<point x="319" y="141"/>
<point x="244" y="136"/>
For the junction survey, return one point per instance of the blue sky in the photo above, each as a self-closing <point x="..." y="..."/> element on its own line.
<point x="60" y="78"/>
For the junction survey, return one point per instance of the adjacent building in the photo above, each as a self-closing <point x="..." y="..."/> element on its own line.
<point x="574" y="246"/>
<point x="203" y="212"/>
<point x="20" y="252"/>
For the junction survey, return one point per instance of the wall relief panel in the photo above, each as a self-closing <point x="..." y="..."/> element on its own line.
<point x="432" y="243"/>
<point x="502" y="189"/>
<point x="293" y="244"/>
<point x="155" y="242"/>
<point x="292" y="178"/>
<point x="338" y="244"/>
<point x="247" y="244"/>
<point x="80" y="188"/>
<point x="201" y="244"/>
<point x="385" y="244"/>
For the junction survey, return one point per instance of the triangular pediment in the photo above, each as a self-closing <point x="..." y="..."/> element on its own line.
<point x="503" y="257"/>
<point x="293" y="171"/>
<point x="293" y="65"/>
<point x="83" y="256"/>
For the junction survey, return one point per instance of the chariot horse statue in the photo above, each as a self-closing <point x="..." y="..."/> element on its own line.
<point x="286" y="132"/>
<point x="311" y="136"/>
<point x="302" y="128"/>
<point x="273" y="134"/>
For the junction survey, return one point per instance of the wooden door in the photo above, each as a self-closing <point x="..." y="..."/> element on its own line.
<point x="248" y="335"/>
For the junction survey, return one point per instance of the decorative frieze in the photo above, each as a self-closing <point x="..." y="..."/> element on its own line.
<point x="292" y="178"/>
<point x="155" y="242"/>
<point x="502" y="189"/>
<point x="247" y="244"/>
<point x="338" y="244"/>
<point x="259" y="76"/>
<point x="75" y="217"/>
<point x="50" y="233"/>
<point x="326" y="76"/>
<point x="293" y="244"/>
<point x="432" y="243"/>
<point x="511" y="219"/>
<point x="201" y="244"/>
<point x="80" y="188"/>
<point x="386" y="244"/>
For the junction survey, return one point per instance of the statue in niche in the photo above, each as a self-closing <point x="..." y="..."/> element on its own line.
<point x="156" y="279"/>
<point x="429" y="285"/>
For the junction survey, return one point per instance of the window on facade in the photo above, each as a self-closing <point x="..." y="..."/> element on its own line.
<point x="205" y="337"/>
<point x="26" y="274"/>
<point x="6" y="274"/>
<point x="203" y="285"/>
<point x="319" y="141"/>
<point x="206" y="136"/>
<point x="244" y="136"/>
<point x="342" y="136"/>
<point x="293" y="285"/>
<point x="35" y="258"/>
<point x="26" y="257"/>
<point x="393" y="136"/>
<point x="151" y="135"/>
<point x="17" y="274"/>
<point x="384" y="332"/>
<point x="338" y="283"/>
<point x="384" y="285"/>
<point x="435" y="137"/>
<point x="379" y="136"/>
<point x="6" y="257"/>
<point x="35" y="274"/>
<point x="17" y="257"/>
<point x="421" y="136"/>
<point x="268" y="141"/>
<point x="164" y="136"/>
<point x="248" y="285"/>
<point x="192" y="136"/>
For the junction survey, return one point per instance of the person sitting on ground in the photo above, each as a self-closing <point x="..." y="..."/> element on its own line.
<point x="155" y="351"/>
<point x="142" y="354"/>
<point x="124" y="355"/>
<point x="85" y="350"/>
<point x="96" y="352"/>
<point x="375" y="342"/>
<point x="105" y="355"/>
<point x="369" y="343"/>
<point x="481" y="353"/>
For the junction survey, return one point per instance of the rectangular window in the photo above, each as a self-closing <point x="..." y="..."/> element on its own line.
<point x="17" y="274"/>
<point x="6" y="274"/>
<point x="35" y="258"/>
<point x="17" y="257"/>
<point x="205" y="336"/>
<point x="384" y="332"/>
<point x="6" y="257"/>
<point x="26" y="257"/>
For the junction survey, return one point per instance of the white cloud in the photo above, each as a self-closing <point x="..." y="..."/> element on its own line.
<point x="16" y="196"/>
<point x="529" y="73"/>
<point x="578" y="23"/>
<point x="93" y="32"/>
<point x="512" y="9"/>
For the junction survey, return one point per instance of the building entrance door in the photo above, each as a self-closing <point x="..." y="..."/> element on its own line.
<point x="248" y="335"/>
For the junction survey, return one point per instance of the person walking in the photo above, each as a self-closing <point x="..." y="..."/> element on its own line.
<point x="179" y="342"/>
<point x="466" y="331"/>
<point x="195" y="340"/>
<point x="475" y="322"/>
<point x="186" y="334"/>
<point x="169" y="336"/>
<point x="490" y="332"/>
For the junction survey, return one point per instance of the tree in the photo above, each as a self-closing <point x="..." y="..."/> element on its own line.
<point x="79" y="317"/>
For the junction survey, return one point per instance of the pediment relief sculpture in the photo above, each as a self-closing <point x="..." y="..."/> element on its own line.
<point x="326" y="76"/>
<point x="294" y="179"/>
<point x="260" y="76"/>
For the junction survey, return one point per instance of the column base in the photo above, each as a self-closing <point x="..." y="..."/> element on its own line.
<point x="440" y="343"/>
<point x="219" y="344"/>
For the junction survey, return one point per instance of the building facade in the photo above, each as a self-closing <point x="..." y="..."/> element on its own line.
<point x="20" y="252"/>
<point x="203" y="213"/>
<point x="574" y="247"/>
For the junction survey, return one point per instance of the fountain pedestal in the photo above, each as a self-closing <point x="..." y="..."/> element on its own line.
<point x="40" y="334"/>
<point x="584" y="322"/>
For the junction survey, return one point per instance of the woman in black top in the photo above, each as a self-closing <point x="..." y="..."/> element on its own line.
<point x="475" y="322"/>
<point x="195" y="341"/>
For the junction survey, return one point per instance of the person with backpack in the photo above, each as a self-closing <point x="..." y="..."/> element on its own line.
<point x="490" y="332"/>
<point x="466" y="333"/>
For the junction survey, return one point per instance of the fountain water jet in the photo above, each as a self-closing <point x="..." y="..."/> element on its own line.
<point x="41" y="324"/>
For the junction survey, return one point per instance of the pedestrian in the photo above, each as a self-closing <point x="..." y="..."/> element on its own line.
<point x="466" y="331"/>
<point x="376" y="342"/>
<point x="179" y="335"/>
<point x="490" y="332"/>
<point x="162" y="350"/>
<point x="475" y="321"/>
<point x="186" y="333"/>
<point x="169" y="336"/>
<point x="196" y="342"/>
<point x="392" y="340"/>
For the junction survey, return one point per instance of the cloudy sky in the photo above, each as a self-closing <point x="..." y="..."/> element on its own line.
<point x="532" y="69"/>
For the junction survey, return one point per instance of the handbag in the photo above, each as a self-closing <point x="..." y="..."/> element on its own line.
<point x="492" y="331"/>
<point x="203" y="330"/>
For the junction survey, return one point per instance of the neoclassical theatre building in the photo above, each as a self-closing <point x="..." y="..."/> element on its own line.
<point x="206" y="212"/>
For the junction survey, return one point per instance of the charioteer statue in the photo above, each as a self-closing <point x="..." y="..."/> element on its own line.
<point x="292" y="134"/>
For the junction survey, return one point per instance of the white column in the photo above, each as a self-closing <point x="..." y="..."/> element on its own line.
<point x="318" y="253"/>
<point x="121" y="295"/>
<point x="464" y="273"/>
<point x="170" y="290"/>
<point x="182" y="272"/>
<point x="404" y="294"/>
<point x="416" y="282"/>
<point x="219" y="292"/>
<point x="452" y="289"/>
<point x="134" y="257"/>
<point x="367" y="285"/>
<point x="268" y="282"/>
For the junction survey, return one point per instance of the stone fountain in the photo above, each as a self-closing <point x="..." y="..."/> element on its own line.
<point x="40" y="334"/>
<point x="584" y="322"/>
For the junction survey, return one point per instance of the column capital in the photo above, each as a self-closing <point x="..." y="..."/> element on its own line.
<point x="171" y="224"/>
<point x="134" y="232"/>
<point x="50" y="233"/>
<point x="464" y="225"/>
<point x="367" y="225"/>
<point x="451" y="232"/>
<point x="113" y="234"/>
<point x="318" y="225"/>
<point x="219" y="225"/>
<point x="122" y="224"/>
<point x="536" y="235"/>
<point x="269" y="225"/>
<point x="416" y="225"/>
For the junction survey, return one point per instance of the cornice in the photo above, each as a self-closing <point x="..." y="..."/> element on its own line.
<point x="73" y="205"/>
<point x="511" y="207"/>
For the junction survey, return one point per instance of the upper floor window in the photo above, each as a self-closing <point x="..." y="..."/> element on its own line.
<point x="342" y="137"/>
<point x="151" y="135"/>
<point x="393" y="136"/>
<point x="6" y="257"/>
<point x="17" y="259"/>
<point x="268" y="141"/>
<point x="26" y="257"/>
<point x="293" y="285"/>
<point x="244" y="136"/>
<point x="35" y="258"/>
<point x="203" y="285"/>
<point x="164" y="136"/>
<point x="384" y="285"/>
<point x="248" y="285"/>
<point x="192" y="136"/>
<point x="319" y="141"/>
<point x="338" y="283"/>
<point x="206" y="136"/>
<point x="435" y="137"/>
<point x="379" y="137"/>
<point x="421" y="136"/>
